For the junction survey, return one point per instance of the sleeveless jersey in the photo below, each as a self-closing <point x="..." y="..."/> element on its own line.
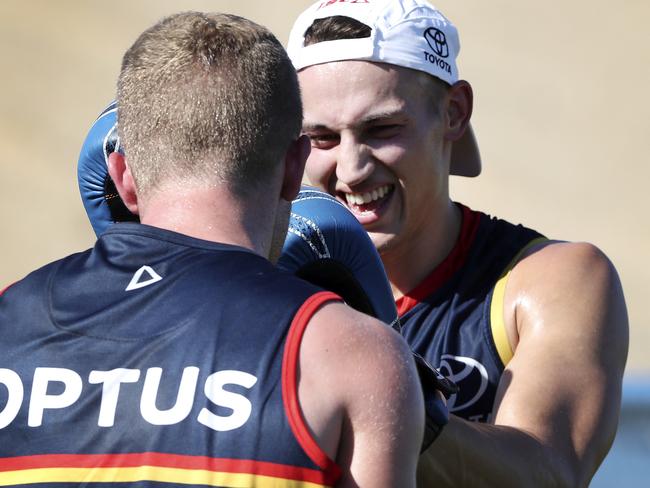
<point x="156" y="358"/>
<point x="454" y="317"/>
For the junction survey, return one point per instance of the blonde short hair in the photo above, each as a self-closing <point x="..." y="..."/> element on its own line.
<point x="206" y="97"/>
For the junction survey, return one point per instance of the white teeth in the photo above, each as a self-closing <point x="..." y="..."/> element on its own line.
<point x="364" y="198"/>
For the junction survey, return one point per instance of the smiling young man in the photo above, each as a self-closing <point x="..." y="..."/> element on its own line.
<point x="533" y="331"/>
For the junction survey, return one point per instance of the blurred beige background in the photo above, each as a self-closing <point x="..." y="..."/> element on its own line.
<point x="562" y="115"/>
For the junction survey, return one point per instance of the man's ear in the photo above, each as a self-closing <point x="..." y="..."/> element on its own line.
<point x="121" y="175"/>
<point x="294" y="167"/>
<point x="460" y="100"/>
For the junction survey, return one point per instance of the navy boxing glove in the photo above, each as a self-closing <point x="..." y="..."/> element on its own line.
<point x="325" y="245"/>
<point x="98" y="194"/>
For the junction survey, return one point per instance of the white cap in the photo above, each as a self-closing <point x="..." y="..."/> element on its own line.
<point x="408" y="33"/>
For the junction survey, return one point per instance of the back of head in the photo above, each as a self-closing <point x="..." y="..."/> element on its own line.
<point x="206" y="98"/>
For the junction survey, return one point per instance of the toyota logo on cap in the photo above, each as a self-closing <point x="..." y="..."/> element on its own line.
<point x="437" y="41"/>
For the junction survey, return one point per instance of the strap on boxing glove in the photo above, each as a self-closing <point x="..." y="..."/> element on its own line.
<point x="434" y="386"/>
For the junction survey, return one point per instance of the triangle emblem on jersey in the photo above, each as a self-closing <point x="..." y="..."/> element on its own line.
<point x="145" y="276"/>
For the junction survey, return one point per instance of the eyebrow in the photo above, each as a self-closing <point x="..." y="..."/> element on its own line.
<point x="314" y="127"/>
<point x="369" y="120"/>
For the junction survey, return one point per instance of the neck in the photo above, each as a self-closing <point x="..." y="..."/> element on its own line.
<point x="413" y="260"/>
<point x="213" y="214"/>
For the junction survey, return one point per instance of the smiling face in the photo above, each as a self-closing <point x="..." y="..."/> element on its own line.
<point x="378" y="146"/>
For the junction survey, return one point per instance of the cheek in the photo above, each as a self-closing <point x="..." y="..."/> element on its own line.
<point x="393" y="158"/>
<point x="319" y="169"/>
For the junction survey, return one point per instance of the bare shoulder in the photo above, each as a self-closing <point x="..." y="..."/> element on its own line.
<point x="358" y="380"/>
<point x="573" y="258"/>
<point x="576" y="282"/>
<point x="358" y="345"/>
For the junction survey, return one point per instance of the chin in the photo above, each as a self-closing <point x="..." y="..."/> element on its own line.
<point x="383" y="242"/>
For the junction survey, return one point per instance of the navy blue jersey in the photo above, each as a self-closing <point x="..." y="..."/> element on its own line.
<point x="155" y="357"/>
<point x="454" y="318"/>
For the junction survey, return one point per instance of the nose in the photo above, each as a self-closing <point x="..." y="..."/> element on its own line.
<point x="354" y="161"/>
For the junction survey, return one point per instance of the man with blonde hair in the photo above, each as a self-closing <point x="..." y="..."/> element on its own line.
<point x="174" y="351"/>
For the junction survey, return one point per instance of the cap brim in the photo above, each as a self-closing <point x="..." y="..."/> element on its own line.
<point x="465" y="156"/>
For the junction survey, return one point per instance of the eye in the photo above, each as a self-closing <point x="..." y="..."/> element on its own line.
<point x="323" y="140"/>
<point x="384" y="131"/>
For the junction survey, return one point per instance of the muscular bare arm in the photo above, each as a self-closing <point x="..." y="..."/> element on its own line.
<point x="558" y="400"/>
<point x="361" y="397"/>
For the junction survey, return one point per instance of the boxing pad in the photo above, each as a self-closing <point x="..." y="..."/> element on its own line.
<point x="325" y="245"/>
<point x="98" y="194"/>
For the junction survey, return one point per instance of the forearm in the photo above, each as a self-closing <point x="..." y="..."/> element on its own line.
<point x="469" y="454"/>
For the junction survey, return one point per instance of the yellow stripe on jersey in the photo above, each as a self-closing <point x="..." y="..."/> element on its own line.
<point x="497" y="320"/>
<point x="148" y="473"/>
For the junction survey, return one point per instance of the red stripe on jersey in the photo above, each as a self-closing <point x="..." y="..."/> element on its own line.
<point x="6" y="288"/>
<point x="160" y="460"/>
<point x="446" y="269"/>
<point x="331" y="470"/>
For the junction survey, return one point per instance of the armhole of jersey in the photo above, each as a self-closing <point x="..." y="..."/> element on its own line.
<point x="497" y="320"/>
<point x="290" y="385"/>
